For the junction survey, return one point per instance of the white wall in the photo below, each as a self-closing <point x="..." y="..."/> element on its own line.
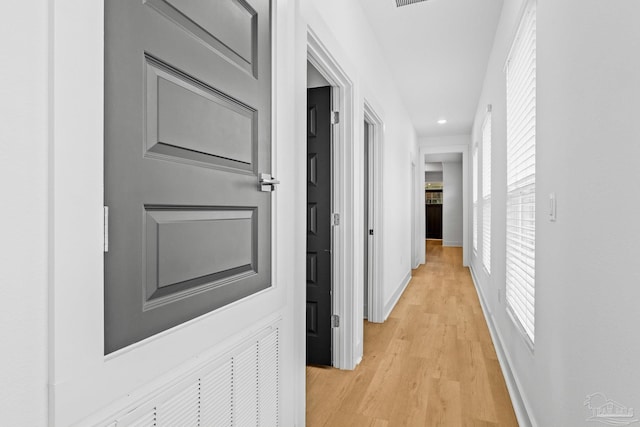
<point x="587" y="293"/>
<point x="433" y="176"/>
<point x="23" y="217"/>
<point x="343" y="28"/>
<point x="452" y="204"/>
<point x="443" y="141"/>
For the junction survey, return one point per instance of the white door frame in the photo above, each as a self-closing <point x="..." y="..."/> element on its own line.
<point x="375" y="298"/>
<point x="443" y="149"/>
<point x="342" y="177"/>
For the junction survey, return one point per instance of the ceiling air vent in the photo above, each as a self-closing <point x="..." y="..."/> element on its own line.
<point x="400" y="3"/>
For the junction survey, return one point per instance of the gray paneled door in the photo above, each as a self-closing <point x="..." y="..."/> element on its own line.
<point x="187" y="132"/>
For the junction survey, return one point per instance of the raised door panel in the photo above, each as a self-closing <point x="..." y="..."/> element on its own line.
<point x="192" y="251"/>
<point x="230" y="27"/>
<point x="187" y="120"/>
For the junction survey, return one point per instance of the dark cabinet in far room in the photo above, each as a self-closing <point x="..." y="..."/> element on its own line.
<point x="433" y="208"/>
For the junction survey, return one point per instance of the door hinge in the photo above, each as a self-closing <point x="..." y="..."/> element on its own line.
<point x="106" y="228"/>
<point x="335" y="321"/>
<point x="335" y="117"/>
<point x="335" y="219"/>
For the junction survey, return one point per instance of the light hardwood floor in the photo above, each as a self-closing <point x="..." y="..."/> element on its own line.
<point x="432" y="363"/>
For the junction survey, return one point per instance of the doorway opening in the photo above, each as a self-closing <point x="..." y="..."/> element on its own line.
<point x="444" y="216"/>
<point x="346" y="215"/>
<point x="343" y="333"/>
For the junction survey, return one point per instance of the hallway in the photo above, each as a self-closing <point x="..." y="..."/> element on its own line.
<point x="432" y="363"/>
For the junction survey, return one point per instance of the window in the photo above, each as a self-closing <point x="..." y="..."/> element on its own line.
<point x="486" y="191"/>
<point x="521" y="174"/>
<point x="475" y="197"/>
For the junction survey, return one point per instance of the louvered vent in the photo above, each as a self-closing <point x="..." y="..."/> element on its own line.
<point x="241" y="389"/>
<point x="400" y="3"/>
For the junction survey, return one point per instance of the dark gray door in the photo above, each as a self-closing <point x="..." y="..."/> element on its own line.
<point x="319" y="226"/>
<point x="187" y="132"/>
<point x="367" y="230"/>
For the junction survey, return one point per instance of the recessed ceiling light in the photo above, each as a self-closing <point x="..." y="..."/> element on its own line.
<point x="442" y="121"/>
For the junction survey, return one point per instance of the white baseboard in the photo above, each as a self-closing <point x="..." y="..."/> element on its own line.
<point x="520" y="404"/>
<point x="454" y="244"/>
<point x="388" y="307"/>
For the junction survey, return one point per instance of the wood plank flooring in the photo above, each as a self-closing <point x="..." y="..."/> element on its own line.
<point x="432" y="363"/>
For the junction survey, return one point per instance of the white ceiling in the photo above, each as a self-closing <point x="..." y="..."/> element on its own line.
<point x="438" y="52"/>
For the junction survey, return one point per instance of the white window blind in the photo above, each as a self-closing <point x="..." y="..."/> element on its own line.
<point x="475" y="197"/>
<point x="486" y="155"/>
<point x="486" y="191"/>
<point x="521" y="173"/>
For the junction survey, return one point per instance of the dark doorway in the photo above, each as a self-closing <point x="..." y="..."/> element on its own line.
<point x="319" y="348"/>
<point x="368" y="211"/>
<point x="433" y="205"/>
